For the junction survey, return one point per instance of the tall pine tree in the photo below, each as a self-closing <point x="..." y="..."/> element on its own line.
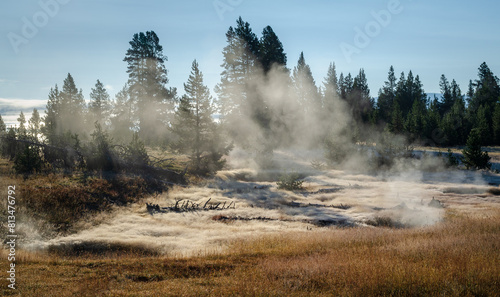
<point x="195" y="128"/>
<point x="147" y="83"/>
<point x="99" y="106"/>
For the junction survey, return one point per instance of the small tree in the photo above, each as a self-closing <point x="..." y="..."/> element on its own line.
<point x="29" y="160"/>
<point x="135" y="152"/>
<point x="474" y="157"/>
<point x="34" y="125"/>
<point x="100" y="155"/>
<point x="196" y="131"/>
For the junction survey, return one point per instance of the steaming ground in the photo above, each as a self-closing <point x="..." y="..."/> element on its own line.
<point x="331" y="199"/>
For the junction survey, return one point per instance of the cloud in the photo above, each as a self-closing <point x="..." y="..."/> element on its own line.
<point x="11" y="104"/>
<point x="109" y="87"/>
<point x="10" y="108"/>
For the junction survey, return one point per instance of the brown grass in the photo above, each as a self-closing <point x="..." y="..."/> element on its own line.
<point x="459" y="257"/>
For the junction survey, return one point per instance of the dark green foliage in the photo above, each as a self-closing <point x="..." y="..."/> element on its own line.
<point x="496" y="123"/>
<point x="290" y="181"/>
<point x="271" y="50"/>
<point x="99" y="106"/>
<point x="397" y="120"/>
<point x="451" y="160"/>
<point x="147" y="84"/>
<point x="135" y="152"/>
<point x="9" y="144"/>
<point x="386" y="97"/>
<point x="29" y="160"/>
<point x="99" y="154"/>
<point x="474" y="157"/>
<point x="3" y="127"/>
<point x="122" y="116"/>
<point x="196" y="131"/>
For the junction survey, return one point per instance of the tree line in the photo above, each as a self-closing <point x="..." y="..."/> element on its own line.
<point x="260" y="105"/>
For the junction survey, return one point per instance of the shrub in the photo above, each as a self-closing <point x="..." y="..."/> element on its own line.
<point x="474" y="157"/>
<point x="290" y="182"/>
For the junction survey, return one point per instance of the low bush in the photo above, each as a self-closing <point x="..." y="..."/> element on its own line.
<point x="290" y="182"/>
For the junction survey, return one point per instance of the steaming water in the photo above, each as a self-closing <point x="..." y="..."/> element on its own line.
<point x="263" y="209"/>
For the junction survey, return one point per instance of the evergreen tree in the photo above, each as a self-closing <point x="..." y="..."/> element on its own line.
<point x="237" y="99"/>
<point x="121" y="117"/>
<point x="34" y="125"/>
<point x="447" y="97"/>
<point x="305" y="86"/>
<point x="386" y="96"/>
<point x="147" y="83"/>
<point x="21" y="129"/>
<point x="359" y="98"/>
<point x="99" y="106"/>
<point x="483" y="125"/>
<point x="3" y="127"/>
<point x="397" y="121"/>
<point x="271" y="50"/>
<point x="330" y="87"/>
<point x="72" y="109"/>
<point x="496" y="124"/>
<point x="50" y="127"/>
<point x="474" y="157"/>
<point x="415" y="122"/>
<point x="194" y="127"/>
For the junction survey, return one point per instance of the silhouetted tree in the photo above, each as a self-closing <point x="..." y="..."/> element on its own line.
<point x="21" y="129"/>
<point x="34" y="125"/>
<point x="386" y="96"/>
<point x="305" y="87"/>
<point x="194" y="127"/>
<point x="474" y="157"/>
<point x="99" y="105"/>
<point x="121" y="117"/>
<point x="147" y="83"/>
<point x="271" y="50"/>
<point x="330" y="93"/>
<point x="3" y="127"/>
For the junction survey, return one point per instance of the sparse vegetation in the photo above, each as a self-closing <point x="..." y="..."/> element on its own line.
<point x="290" y="182"/>
<point x="350" y="262"/>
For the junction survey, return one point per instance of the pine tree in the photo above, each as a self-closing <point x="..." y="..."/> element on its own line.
<point x="447" y="97"/>
<point x="50" y="127"/>
<point x="21" y="129"/>
<point x="121" y="116"/>
<point x="34" y="125"/>
<point x="99" y="106"/>
<point x="330" y="89"/>
<point x="397" y="121"/>
<point x="236" y="99"/>
<point x="474" y="157"/>
<point x="147" y="83"/>
<point x="3" y="127"/>
<point x="496" y="124"/>
<point x="359" y="98"/>
<point x="194" y="127"/>
<point x="271" y="50"/>
<point x="386" y="96"/>
<point x="72" y="107"/>
<point x="305" y="88"/>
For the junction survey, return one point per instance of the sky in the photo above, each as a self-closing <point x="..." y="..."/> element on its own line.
<point x="41" y="41"/>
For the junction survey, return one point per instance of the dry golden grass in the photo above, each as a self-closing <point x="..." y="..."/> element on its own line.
<point x="459" y="257"/>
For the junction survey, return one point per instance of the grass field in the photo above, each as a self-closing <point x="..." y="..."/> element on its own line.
<point x="458" y="257"/>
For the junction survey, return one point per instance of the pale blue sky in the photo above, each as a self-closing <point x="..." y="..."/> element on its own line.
<point x="89" y="38"/>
